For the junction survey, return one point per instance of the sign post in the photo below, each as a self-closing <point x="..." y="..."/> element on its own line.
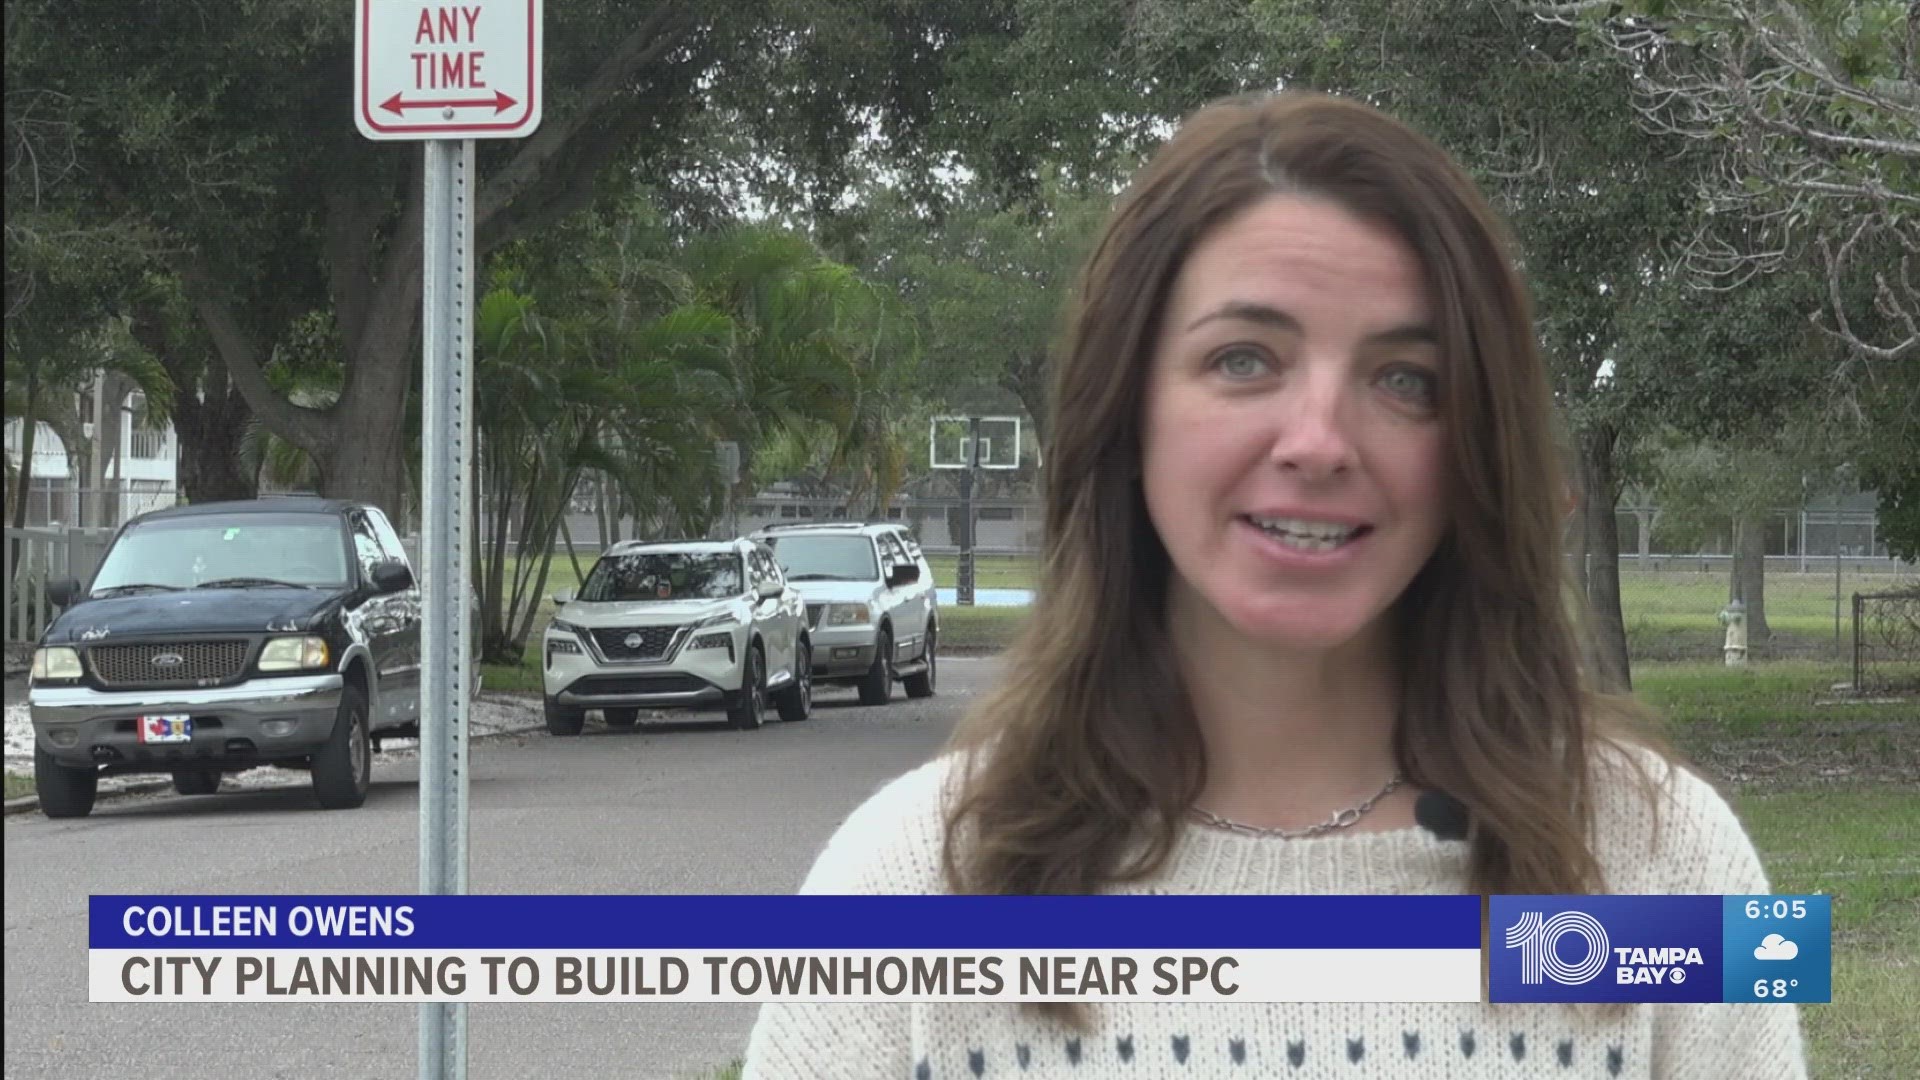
<point x="446" y="74"/>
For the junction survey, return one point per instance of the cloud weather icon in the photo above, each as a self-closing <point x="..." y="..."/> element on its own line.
<point x="1775" y="947"/>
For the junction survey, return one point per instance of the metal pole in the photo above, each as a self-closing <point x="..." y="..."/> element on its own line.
<point x="447" y="506"/>
<point x="963" y="589"/>
<point x="97" y="457"/>
<point x="1803" y="539"/>
<point x="1836" y="584"/>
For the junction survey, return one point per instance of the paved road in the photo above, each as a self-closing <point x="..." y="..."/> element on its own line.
<point x="687" y="807"/>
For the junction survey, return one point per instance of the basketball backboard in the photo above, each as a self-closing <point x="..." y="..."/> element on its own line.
<point x="950" y="442"/>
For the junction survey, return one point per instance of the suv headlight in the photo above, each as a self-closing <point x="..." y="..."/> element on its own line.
<point x="56" y="663"/>
<point x="294" y="654"/>
<point x="848" y="615"/>
<point x="715" y="633"/>
<point x="561" y="626"/>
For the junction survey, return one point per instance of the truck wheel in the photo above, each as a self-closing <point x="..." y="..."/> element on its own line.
<point x="621" y="719"/>
<point x="796" y="698"/>
<point x="65" y="791"/>
<point x="921" y="684"/>
<point x="876" y="687"/>
<point x="563" y="720"/>
<point x="343" y="768"/>
<point x="196" y="781"/>
<point x="749" y="709"/>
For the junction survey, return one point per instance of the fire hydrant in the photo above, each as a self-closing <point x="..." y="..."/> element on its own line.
<point x="1734" y="618"/>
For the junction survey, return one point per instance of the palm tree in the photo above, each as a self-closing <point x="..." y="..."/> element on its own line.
<point x="49" y="365"/>
<point x="820" y="352"/>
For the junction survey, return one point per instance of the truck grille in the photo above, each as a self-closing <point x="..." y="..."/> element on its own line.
<point x="183" y="663"/>
<point x="651" y="643"/>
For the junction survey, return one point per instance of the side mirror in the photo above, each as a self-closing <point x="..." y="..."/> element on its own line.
<point x="564" y="596"/>
<point x="61" y="593"/>
<point x="770" y="589"/>
<point x="392" y="575"/>
<point x="905" y="574"/>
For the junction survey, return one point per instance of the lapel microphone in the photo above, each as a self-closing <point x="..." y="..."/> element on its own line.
<point x="1442" y="815"/>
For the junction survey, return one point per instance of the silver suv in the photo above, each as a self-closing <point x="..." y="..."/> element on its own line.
<point x="870" y="603"/>
<point x="678" y="625"/>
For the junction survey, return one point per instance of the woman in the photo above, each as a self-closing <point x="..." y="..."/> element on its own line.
<point x="1302" y="568"/>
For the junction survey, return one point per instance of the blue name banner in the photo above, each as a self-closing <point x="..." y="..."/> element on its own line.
<point x="1659" y="948"/>
<point x="496" y="922"/>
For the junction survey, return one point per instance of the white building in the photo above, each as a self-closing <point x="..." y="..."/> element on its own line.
<point x="137" y="472"/>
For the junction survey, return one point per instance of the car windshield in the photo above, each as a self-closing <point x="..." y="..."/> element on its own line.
<point x="185" y="553"/>
<point x="825" y="558"/>
<point x="664" y="575"/>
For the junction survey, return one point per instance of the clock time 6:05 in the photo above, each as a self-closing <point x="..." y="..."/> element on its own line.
<point x="1778" y="909"/>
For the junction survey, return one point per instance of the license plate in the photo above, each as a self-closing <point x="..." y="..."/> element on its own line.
<point x="168" y="728"/>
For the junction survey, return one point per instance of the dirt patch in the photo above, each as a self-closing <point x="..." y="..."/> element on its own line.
<point x="1808" y="753"/>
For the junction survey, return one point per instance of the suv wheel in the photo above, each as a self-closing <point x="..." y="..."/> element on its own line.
<point x="196" y="781"/>
<point x="343" y="769"/>
<point x="563" y="719"/>
<point x="65" y="791"/>
<point x="876" y="688"/>
<point x="796" y="698"/>
<point x="921" y="684"/>
<point x="749" y="709"/>
<point x="621" y="719"/>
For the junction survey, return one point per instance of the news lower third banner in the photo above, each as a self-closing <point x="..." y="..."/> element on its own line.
<point x="490" y="948"/>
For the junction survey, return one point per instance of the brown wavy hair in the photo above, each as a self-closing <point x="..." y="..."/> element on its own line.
<point x="1084" y="761"/>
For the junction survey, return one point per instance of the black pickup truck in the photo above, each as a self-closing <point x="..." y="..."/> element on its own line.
<point x="219" y="637"/>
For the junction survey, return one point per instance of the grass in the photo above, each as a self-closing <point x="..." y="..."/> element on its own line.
<point x="1858" y="847"/>
<point x="19" y="785"/>
<point x="989" y="571"/>
<point x="1695" y="692"/>
<point x="1830" y="793"/>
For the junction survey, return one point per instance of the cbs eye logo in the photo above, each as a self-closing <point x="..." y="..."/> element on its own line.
<point x="1538" y="939"/>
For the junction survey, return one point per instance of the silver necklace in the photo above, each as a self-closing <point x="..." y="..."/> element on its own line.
<point x="1341" y="820"/>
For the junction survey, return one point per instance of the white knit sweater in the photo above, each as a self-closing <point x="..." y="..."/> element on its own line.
<point x="891" y="844"/>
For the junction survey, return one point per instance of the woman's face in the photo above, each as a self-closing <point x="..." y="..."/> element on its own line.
<point x="1292" y="456"/>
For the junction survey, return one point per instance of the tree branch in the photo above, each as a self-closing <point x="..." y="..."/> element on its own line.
<point x="1890" y="305"/>
<point x="305" y="428"/>
<point x="548" y="203"/>
<point x="663" y="28"/>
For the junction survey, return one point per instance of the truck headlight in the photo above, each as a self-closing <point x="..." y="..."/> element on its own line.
<point x="849" y="615"/>
<point x="55" y="663"/>
<point x="294" y="654"/>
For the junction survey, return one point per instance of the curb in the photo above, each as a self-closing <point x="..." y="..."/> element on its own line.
<point x="29" y="803"/>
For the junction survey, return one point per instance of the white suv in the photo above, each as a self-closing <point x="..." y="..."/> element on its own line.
<point x="678" y="625"/>
<point x="871" y="603"/>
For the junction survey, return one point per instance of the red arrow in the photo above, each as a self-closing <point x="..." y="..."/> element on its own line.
<point x="500" y="102"/>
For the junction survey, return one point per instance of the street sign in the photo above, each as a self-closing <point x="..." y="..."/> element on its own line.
<point x="463" y="70"/>
<point x="446" y="74"/>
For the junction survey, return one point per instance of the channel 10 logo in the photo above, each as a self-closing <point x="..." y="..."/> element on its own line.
<point x="1605" y="948"/>
<point x="1538" y="939"/>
